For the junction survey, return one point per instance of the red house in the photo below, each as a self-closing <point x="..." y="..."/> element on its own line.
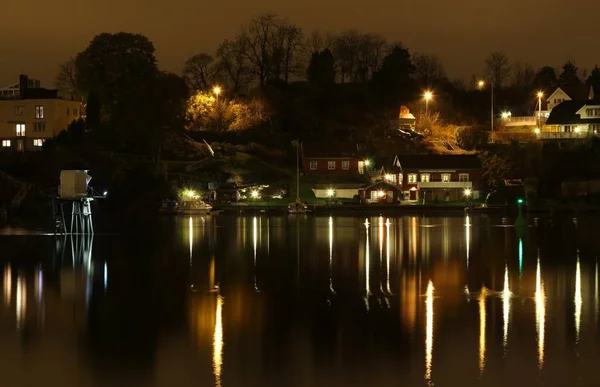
<point x="328" y="159"/>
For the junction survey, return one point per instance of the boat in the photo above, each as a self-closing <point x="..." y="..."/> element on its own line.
<point x="298" y="207"/>
<point x="194" y="207"/>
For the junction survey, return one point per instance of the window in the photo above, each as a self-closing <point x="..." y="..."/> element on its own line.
<point x="425" y="177"/>
<point x="412" y="178"/>
<point x="5" y="143"/>
<point x="38" y="142"/>
<point x="391" y="177"/>
<point x="18" y="110"/>
<point x="314" y="165"/>
<point x="75" y="112"/>
<point x="445" y="177"/>
<point x="39" y="111"/>
<point x="331" y="165"/>
<point x="20" y="129"/>
<point x="346" y="165"/>
<point x="39" y="126"/>
<point x="463" y="177"/>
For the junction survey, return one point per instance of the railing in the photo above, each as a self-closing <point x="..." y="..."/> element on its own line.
<point x="563" y="135"/>
<point x="449" y="184"/>
<point x="523" y="121"/>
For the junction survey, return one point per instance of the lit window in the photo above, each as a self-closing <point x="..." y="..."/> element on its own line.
<point x="412" y="178"/>
<point x="38" y="142"/>
<point x="463" y="177"/>
<point x="391" y="177"/>
<point x="445" y="177"/>
<point x="39" y="126"/>
<point x="425" y="177"/>
<point x="20" y="129"/>
<point x="18" y="110"/>
<point x="331" y="165"/>
<point x="6" y="143"/>
<point x="39" y="111"/>
<point x="314" y="165"/>
<point x="346" y="165"/>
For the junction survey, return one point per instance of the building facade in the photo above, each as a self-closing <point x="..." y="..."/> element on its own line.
<point x="32" y="116"/>
<point x="318" y="159"/>
<point x="576" y="119"/>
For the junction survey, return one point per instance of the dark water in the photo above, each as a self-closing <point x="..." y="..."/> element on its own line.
<point x="306" y="301"/>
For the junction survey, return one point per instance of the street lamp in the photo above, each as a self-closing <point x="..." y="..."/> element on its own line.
<point x="481" y="84"/>
<point x="428" y="95"/>
<point x="540" y="95"/>
<point x="217" y="91"/>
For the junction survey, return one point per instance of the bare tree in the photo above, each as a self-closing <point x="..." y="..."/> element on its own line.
<point x="291" y="50"/>
<point x="497" y="68"/>
<point x="345" y="50"/>
<point x="233" y="64"/>
<point x="199" y="72"/>
<point x="523" y="75"/>
<point x="262" y="42"/>
<point x="428" y="69"/>
<point x="66" y="80"/>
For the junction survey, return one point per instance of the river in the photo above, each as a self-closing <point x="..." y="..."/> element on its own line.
<point x="303" y="301"/>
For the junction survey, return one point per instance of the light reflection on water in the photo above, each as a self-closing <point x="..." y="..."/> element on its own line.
<point x="383" y="304"/>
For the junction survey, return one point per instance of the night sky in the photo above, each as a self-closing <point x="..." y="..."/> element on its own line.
<point x="35" y="35"/>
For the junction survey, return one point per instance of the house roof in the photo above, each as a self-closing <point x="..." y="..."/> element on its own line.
<point x="379" y="184"/>
<point x="439" y="162"/>
<point x="566" y="113"/>
<point x="575" y="92"/>
<point x="329" y="149"/>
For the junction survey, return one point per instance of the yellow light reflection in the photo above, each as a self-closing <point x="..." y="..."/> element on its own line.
<point x="468" y="237"/>
<point x="331" y="255"/>
<point x="7" y="285"/>
<point x="429" y="332"/>
<point x="191" y="237"/>
<point x="540" y="313"/>
<point x="387" y="255"/>
<point x="482" y="321"/>
<point x="21" y="300"/>
<point x="255" y="243"/>
<point x="367" y="267"/>
<point x="39" y="285"/>
<point x="413" y="239"/>
<point x="578" y="301"/>
<point x="380" y="234"/>
<point x="506" y="294"/>
<point x="218" y="342"/>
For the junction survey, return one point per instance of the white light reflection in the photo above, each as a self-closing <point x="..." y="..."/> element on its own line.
<point x="596" y="290"/>
<point x="380" y="232"/>
<point x="506" y="295"/>
<point x="482" y="322"/>
<point x="218" y="342"/>
<point x="255" y="242"/>
<point x="21" y="301"/>
<point x="468" y="237"/>
<point x="39" y="284"/>
<point x="7" y="284"/>
<point x="578" y="301"/>
<point x="387" y="255"/>
<point x="191" y="236"/>
<point x="520" y="257"/>
<point x="105" y="276"/>
<point x="429" y="332"/>
<point x="367" y="266"/>
<point x="331" y="255"/>
<point x="540" y="313"/>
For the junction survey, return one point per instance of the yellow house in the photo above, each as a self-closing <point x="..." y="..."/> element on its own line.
<point x="32" y="115"/>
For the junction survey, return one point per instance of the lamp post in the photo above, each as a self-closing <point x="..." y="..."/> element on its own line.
<point x="217" y="91"/>
<point x="540" y="95"/>
<point x="428" y="95"/>
<point x="480" y="85"/>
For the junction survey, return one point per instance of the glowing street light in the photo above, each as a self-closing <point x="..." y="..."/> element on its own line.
<point x="540" y="94"/>
<point x="217" y="91"/>
<point x="480" y="85"/>
<point x="506" y="115"/>
<point x="537" y="130"/>
<point x="428" y="96"/>
<point x="468" y="193"/>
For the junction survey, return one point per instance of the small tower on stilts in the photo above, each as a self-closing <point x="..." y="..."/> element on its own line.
<point x="74" y="192"/>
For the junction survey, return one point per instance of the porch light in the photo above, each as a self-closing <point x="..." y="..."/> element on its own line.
<point x="380" y="194"/>
<point x="254" y="194"/>
<point x="367" y="162"/>
<point x="577" y="129"/>
<point x="536" y="130"/>
<point x="330" y="192"/>
<point x="467" y="192"/>
<point x="506" y="115"/>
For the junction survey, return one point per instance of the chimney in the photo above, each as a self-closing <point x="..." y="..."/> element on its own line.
<point x="23" y="85"/>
